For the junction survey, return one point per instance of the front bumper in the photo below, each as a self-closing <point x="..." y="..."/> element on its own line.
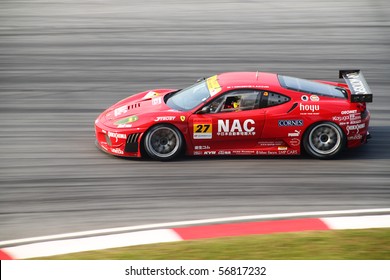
<point x="118" y="142"/>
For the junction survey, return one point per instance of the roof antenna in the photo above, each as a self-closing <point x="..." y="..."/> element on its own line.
<point x="257" y="75"/>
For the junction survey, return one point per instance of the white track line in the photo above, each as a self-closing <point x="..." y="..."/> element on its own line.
<point x="68" y="246"/>
<point x="360" y="222"/>
<point x="196" y="222"/>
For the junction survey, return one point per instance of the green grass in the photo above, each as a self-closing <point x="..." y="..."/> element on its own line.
<point x="368" y="244"/>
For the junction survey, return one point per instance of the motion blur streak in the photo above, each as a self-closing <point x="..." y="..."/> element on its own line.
<point x="63" y="62"/>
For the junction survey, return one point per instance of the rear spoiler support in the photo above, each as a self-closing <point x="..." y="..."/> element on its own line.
<point x="360" y="91"/>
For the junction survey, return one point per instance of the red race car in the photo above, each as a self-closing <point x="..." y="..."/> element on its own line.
<point x="240" y="113"/>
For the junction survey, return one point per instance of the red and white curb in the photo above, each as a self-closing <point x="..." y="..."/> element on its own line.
<point x="46" y="246"/>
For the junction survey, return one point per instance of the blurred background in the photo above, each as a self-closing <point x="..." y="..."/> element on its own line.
<point x="62" y="62"/>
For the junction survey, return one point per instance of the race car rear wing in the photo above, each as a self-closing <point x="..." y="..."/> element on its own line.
<point x="360" y="91"/>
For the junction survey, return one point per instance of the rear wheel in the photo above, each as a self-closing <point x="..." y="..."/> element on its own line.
<point x="163" y="142"/>
<point x="324" y="140"/>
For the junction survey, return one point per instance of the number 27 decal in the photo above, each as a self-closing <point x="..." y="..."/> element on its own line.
<point x="203" y="129"/>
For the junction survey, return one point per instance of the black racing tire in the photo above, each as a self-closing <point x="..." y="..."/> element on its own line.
<point x="324" y="140"/>
<point x="163" y="142"/>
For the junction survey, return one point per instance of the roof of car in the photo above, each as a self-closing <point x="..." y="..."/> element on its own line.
<point x="246" y="79"/>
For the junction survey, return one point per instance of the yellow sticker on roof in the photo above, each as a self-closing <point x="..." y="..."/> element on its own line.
<point x="213" y="85"/>
<point x="150" y="94"/>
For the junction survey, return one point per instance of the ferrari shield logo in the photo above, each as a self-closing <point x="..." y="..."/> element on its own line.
<point x="182" y="118"/>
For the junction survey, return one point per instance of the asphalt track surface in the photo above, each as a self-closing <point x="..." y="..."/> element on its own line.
<point x="63" y="62"/>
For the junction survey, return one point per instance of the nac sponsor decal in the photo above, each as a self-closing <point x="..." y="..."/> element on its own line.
<point x="203" y="129"/>
<point x="236" y="127"/>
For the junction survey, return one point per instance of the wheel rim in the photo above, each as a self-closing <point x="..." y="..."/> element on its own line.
<point x="324" y="139"/>
<point x="163" y="142"/>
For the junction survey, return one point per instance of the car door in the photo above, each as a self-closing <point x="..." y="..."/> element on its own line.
<point x="229" y="124"/>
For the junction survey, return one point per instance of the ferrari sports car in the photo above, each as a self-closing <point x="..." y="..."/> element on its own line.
<point x="240" y="113"/>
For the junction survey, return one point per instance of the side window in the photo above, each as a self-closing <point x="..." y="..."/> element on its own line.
<point x="216" y="105"/>
<point x="239" y="100"/>
<point x="269" y="99"/>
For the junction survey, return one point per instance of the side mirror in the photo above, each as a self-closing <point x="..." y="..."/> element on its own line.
<point x="204" y="110"/>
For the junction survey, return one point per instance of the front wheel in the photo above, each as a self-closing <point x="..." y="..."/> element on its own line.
<point x="163" y="142"/>
<point x="324" y="140"/>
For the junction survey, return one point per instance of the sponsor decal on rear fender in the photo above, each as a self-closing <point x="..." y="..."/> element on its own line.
<point x="309" y="109"/>
<point x="348" y="117"/>
<point x="356" y="127"/>
<point x="296" y="133"/>
<point x="290" y="122"/>
<point x="295" y="142"/>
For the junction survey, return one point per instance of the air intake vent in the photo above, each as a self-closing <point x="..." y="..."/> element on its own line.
<point x="132" y="143"/>
<point x="133" y="106"/>
<point x="133" y="138"/>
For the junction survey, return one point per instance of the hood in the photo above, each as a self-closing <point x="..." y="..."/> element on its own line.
<point x="126" y="110"/>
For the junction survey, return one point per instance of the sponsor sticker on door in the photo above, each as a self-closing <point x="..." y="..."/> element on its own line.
<point x="203" y="129"/>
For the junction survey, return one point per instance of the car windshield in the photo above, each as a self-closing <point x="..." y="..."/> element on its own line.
<point x="311" y="87"/>
<point x="189" y="98"/>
